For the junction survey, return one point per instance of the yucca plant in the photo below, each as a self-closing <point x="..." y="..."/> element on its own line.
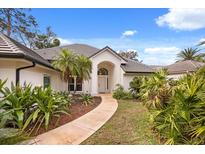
<point x="86" y="99"/>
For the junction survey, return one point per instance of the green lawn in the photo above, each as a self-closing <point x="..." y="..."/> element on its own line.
<point x="129" y="125"/>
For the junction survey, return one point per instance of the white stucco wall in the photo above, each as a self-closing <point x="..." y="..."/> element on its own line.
<point x="175" y="76"/>
<point x="106" y="56"/>
<point x="31" y="75"/>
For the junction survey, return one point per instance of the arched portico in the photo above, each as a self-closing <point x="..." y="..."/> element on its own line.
<point x="105" y="77"/>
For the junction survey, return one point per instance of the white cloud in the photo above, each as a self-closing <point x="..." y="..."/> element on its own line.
<point x="128" y="33"/>
<point x="160" y="55"/>
<point x="162" y="50"/>
<point x="64" y="41"/>
<point x="183" y="19"/>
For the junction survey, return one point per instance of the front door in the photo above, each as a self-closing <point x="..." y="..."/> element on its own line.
<point x="102" y="83"/>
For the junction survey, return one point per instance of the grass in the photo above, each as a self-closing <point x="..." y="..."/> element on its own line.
<point x="129" y="125"/>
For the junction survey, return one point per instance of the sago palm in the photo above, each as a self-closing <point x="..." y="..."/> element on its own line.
<point x="191" y="54"/>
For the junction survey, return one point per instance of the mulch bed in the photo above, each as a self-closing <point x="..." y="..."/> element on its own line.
<point x="76" y="110"/>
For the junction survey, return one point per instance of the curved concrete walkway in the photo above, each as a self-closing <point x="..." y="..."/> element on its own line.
<point x="80" y="129"/>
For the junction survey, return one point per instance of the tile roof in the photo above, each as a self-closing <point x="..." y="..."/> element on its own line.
<point x="184" y="67"/>
<point x="133" y="66"/>
<point x="81" y="49"/>
<point x="13" y="49"/>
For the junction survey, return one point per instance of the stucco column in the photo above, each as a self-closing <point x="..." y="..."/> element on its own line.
<point x="94" y="80"/>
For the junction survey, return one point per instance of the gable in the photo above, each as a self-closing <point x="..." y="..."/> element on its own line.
<point x="108" y="54"/>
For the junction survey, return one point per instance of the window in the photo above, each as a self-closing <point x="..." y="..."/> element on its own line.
<point x="46" y="81"/>
<point x="71" y="83"/>
<point x="102" y="71"/>
<point x="78" y="84"/>
<point x="75" y="83"/>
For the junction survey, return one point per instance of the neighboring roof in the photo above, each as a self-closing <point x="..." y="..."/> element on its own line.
<point x="133" y="66"/>
<point x="9" y="48"/>
<point x="81" y="49"/>
<point x="156" y="67"/>
<point x="184" y="67"/>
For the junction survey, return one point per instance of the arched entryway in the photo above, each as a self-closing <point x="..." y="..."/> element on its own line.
<point x="105" y="71"/>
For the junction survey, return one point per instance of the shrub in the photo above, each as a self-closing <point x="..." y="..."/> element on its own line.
<point x="135" y="86"/>
<point x="86" y="99"/>
<point x="181" y="119"/>
<point x="48" y="104"/>
<point x="16" y="105"/>
<point x="9" y="136"/>
<point x="23" y="106"/>
<point x="120" y="93"/>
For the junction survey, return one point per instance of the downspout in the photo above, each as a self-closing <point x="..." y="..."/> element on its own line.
<point x="21" y="68"/>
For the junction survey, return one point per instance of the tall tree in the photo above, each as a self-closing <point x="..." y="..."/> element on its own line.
<point x="71" y="64"/>
<point x="191" y="54"/>
<point x="66" y="62"/>
<point x="18" y="24"/>
<point x="47" y="40"/>
<point x="130" y="54"/>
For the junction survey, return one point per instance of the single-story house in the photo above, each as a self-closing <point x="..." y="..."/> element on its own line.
<point x="20" y="64"/>
<point x="178" y="69"/>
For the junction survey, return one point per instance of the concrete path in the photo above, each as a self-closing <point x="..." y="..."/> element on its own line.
<point x="80" y="129"/>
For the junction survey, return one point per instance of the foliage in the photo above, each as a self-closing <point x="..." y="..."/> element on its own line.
<point x="18" y="24"/>
<point x="16" y="104"/>
<point x="25" y="106"/>
<point x="71" y="64"/>
<point x="84" y="67"/>
<point x="155" y="90"/>
<point x="86" y="99"/>
<point x="130" y="54"/>
<point x="135" y="86"/>
<point x="47" y="40"/>
<point x="9" y="136"/>
<point x="179" y="119"/>
<point x="120" y="93"/>
<point x="191" y="54"/>
<point x="48" y="104"/>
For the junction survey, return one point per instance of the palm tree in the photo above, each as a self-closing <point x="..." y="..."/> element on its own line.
<point x="84" y="67"/>
<point x="66" y="62"/>
<point x="191" y="54"/>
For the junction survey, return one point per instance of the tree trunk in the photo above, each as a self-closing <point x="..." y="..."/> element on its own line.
<point x="8" y="22"/>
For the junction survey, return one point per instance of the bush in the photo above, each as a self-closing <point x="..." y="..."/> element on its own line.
<point x="21" y="107"/>
<point x="135" y="86"/>
<point x="180" y="117"/>
<point x="86" y="99"/>
<point x="120" y="93"/>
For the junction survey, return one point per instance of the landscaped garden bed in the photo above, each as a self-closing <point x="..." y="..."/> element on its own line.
<point x="27" y="111"/>
<point x="76" y="110"/>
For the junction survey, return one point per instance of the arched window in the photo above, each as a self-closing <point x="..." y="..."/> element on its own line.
<point x="102" y="71"/>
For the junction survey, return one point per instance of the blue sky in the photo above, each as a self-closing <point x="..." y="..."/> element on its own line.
<point x="157" y="34"/>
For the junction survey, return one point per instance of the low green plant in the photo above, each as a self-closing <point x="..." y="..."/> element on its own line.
<point x="86" y="99"/>
<point x="48" y="104"/>
<point x="120" y="93"/>
<point x="9" y="136"/>
<point x="17" y="102"/>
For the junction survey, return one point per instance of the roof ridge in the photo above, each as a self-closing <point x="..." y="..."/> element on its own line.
<point x="66" y="46"/>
